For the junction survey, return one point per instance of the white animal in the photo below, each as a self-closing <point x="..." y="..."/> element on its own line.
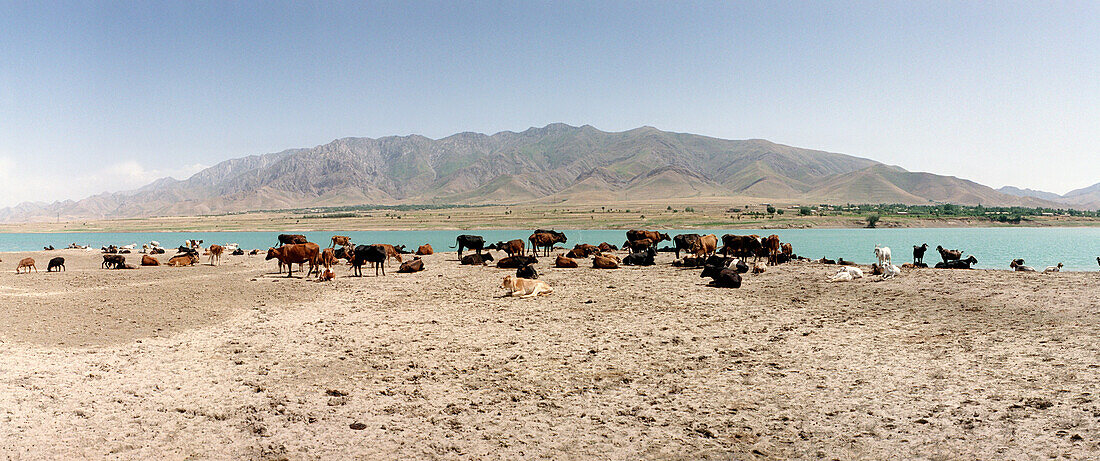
<point x="891" y="271"/>
<point x="128" y="247"/>
<point x="842" y="276"/>
<point x="231" y="247"/>
<point x="1057" y="268"/>
<point x="883" y="255"/>
<point x="856" y="272"/>
<point x="154" y="244"/>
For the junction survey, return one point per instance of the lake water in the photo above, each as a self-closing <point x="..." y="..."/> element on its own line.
<point x="1077" y="248"/>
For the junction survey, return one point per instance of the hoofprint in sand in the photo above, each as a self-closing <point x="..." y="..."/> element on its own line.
<point x="235" y="361"/>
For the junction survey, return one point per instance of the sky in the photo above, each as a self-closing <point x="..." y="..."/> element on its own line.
<point x="108" y="96"/>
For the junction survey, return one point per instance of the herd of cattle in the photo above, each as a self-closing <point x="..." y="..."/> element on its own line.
<point x="723" y="264"/>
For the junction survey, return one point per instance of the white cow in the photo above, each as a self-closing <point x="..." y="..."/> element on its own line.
<point x="891" y="271"/>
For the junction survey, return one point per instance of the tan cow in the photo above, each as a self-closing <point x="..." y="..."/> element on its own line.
<point x="341" y="240"/>
<point x="525" y="288"/>
<point x="705" y="245"/>
<point x="216" y="254"/>
<point x="425" y="249"/>
<point x="605" y="261"/>
<point x="186" y="259"/>
<point x="391" y="252"/>
<point x="27" y="263"/>
<point x="147" y="260"/>
<point x="565" y="262"/>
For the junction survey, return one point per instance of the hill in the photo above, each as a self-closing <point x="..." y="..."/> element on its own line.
<point x="1085" y="198"/>
<point x="554" y="163"/>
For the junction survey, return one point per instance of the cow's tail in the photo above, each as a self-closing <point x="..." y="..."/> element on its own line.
<point x="456" y="243"/>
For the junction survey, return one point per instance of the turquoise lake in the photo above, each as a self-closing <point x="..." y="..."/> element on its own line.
<point x="1077" y="248"/>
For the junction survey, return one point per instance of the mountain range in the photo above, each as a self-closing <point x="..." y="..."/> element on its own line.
<point x="551" y="164"/>
<point x="1084" y="198"/>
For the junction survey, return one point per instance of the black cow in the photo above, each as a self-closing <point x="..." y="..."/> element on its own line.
<point x="516" y="262"/>
<point x="287" y="239"/>
<point x="476" y="259"/>
<point x="56" y="263"/>
<point x="722" y="277"/>
<point x="470" y="242"/>
<point x="957" y="263"/>
<point x="641" y="258"/>
<point x="527" y="272"/>
<point x="684" y="242"/>
<point x="368" y="253"/>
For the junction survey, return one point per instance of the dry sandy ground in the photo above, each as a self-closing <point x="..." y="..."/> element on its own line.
<point x="234" y="362"/>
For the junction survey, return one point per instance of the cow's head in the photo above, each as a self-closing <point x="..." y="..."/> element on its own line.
<point x="271" y="254"/>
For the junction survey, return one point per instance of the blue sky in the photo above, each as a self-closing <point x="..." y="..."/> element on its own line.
<point x="104" y="96"/>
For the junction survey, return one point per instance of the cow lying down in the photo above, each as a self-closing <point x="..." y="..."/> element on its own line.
<point x="525" y="288"/>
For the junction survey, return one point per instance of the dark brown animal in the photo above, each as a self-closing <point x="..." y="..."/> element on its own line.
<point x="341" y="240"/>
<point x="685" y="242"/>
<point x="949" y="255"/>
<point x="328" y="258"/>
<point x="511" y="247"/>
<point x="918" y="253"/>
<point x="413" y="265"/>
<point x="638" y="245"/>
<point x="722" y="277"/>
<point x="113" y="261"/>
<point x="773" y="247"/>
<point x="565" y="262"/>
<point x="583" y="250"/>
<point x="424" y="250"/>
<point x="286" y="239"/>
<point x="296" y="253"/>
<point x="516" y="262"/>
<point x="545" y="238"/>
<point x="56" y="263"/>
<point x="607" y="247"/>
<point x="147" y="260"/>
<point x="742" y="246"/>
<point x="527" y="272"/>
<point x="476" y="259"/>
<point x="26" y="263"/>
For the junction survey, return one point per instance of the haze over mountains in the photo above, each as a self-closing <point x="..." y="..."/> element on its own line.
<point x="1086" y="197"/>
<point x="552" y="164"/>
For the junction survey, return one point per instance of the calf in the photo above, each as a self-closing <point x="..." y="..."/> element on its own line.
<point x="413" y="265"/>
<point x="564" y="262"/>
<point x="602" y="261"/>
<point x="642" y="258"/>
<point x="607" y="247"/>
<point x="516" y="262"/>
<point x="759" y="268"/>
<point x="949" y="255"/>
<point x="328" y="258"/>
<point x="638" y="245"/>
<point x="391" y="251"/>
<point x="476" y="259"/>
<point x="185" y="259"/>
<point x="722" y="277"/>
<point x="216" y="254"/>
<point x="527" y="272"/>
<point x="511" y="247"/>
<point x="525" y="288"/>
<point x="57" y="263"/>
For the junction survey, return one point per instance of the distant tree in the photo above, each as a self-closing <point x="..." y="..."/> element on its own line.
<point x="872" y="220"/>
<point x="771" y="209"/>
<point x="780" y="211"/>
<point x="669" y="208"/>
<point x="804" y="211"/>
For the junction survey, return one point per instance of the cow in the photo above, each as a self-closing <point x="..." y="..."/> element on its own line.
<point x="787" y="251"/>
<point x="582" y="250"/>
<point x="290" y="239"/>
<point x="511" y="247"/>
<point x="147" y="260"/>
<point x="607" y="247"/>
<point x="705" y="245"/>
<point x="328" y="258"/>
<point x="112" y="261"/>
<point x="685" y="242"/>
<point x="238" y="252"/>
<point x="545" y="238"/>
<point x="341" y="240"/>
<point x="525" y="288"/>
<point x="602" y="261"/>
<point x="641" y="258"/>
<point x="412" y="265"/>
<point x="722" y="277"/>
<point x="374" y="254"/>
<point x="391" y="252"/>
<point x="296" y="253"/>
<point x="527" y="272"/>
<point x="476" y="259"/>
<point x="516" y="262"/>
<point x="742" y="246"/>
<point x="564" y="262"/>
<point x="638" y="245"/>
<point x="773" y="247"/>
<point x="424" y="250"/>
<point x="56" y="263"/>
<point x="325" y="275"/>
<point x="918" y="253"/>
<point x="656" y="237"/>
<point x="216" y="254"/>
<point x="470" y="242"/>
<point x="183" y="259"/>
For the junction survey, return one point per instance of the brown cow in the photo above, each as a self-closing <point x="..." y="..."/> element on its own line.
<point x="639" y="245"/>
<point x="111" y="261"/>
<point x="607" y="247"/>
<point x="289" y="239"/>
<point x="545" y="238"/>
<point x="705" y="245"/>
<point x="296" y="253"/>
<point x="654" y="236"/>
<point x="186" y="259"/>
<point x="147" y="260"/>
<point x="425" y="249"/>
<point x="391" y="252"/>
<point x="328" y="258"/>
<point x="565" y="262"/>
<point x="216" y="254"/>
<point x="325" y="275"/>
<point x="341" y="240"/>
<point x="414" y="265"/>
<point x="583" y="250"/>
<point x="602" y="261"/>
<point x="773" y="247"/>
<point x="742" y="246"/>
<point x="27" y="263"/>
<point x="512" y="247"/>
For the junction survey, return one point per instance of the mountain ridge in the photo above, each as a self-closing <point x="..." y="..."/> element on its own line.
<point x="554" y="163"/>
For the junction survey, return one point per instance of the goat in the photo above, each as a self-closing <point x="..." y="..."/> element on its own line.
<point x="883" y="255"/>
<point x="1057" y="268"/>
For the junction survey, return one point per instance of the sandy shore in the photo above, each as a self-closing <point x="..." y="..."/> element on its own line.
<point x="234" y="362"/>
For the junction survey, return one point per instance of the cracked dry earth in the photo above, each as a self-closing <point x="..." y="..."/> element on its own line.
<point x="233" y="362"/>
